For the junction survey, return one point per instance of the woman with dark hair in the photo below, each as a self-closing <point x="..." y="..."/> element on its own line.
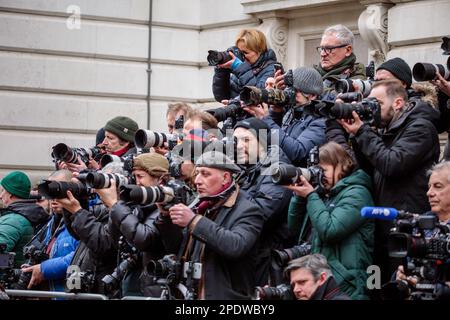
<point x="331" y="219"/>
<point x="251" y="69"/>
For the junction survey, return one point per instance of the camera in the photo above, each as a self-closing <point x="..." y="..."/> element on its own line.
<point x="423" y="244"/>
<point x="280" y="292"/>
<point x="408" y="238"/>
<point x="62" y="152"/>
<point x="126" y="161"/>
<point x="58" y="189"/>
<point x="215" y="58"/>
<point x="173" y="192"/>
<point x="98" y="180"/>
<point x="8" y="275"/>
<point x="233" y="110"/>
<point x="162" y="268"/>
<point x="254" y="96"/>
<point x="34" y="256"/>
<point x="348" y="85"/>
<point x="427" y="71"/>
<point x="282" y="257"/>
<point x="288" y="174"/>
<point x="129" y="257"/>
<point x="146" y="139"/>
<point x="368" y="110"/>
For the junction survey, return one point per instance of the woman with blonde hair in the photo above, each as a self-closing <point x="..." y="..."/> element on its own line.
<point x="252" y="68"/>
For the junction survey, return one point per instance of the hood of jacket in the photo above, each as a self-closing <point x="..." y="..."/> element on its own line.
<point x="30" y="210"/>
<point x="358" y="177"/>
<point x="417" y="110"/>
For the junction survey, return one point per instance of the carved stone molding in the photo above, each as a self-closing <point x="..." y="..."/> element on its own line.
<point x="276" y="31"/>
<point x="373" y="27"/>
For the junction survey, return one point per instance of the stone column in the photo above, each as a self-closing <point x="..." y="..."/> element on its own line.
<point x="276" y="31"/>
<point x="373" y="27"/>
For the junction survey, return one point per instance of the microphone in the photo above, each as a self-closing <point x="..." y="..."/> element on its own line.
<point x="382" y="213"/>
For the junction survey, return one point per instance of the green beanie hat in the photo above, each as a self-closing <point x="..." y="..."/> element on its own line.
<point x="18" y="184"/>
<point x="124" y="127"/>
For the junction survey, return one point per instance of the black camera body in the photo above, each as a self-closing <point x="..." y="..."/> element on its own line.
<point x="8" y="275"/>
<point x="129" y="256"/>
<point x="368" y="110"/>
<point x="286" y="174"/>
<point x="423" y="244"/>
<point x="215" y="58"/>
<point x="58" y="189"/>
<point x="232" y="112"/>
<point x="34" y="256"/>
<point x="62" y="152"/>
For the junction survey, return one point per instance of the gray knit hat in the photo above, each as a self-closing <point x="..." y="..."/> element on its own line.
<point x="217" y="160"/>
<point x="308" y="80"/>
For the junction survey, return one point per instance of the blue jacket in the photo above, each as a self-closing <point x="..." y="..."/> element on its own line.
<point x="61" y="254"/>
<point x="298" y="133"/>
<point x="228" y="84"/>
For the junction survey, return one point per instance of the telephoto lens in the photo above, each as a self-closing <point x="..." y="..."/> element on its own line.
<point x="58" y="189"/>
<point x="146" y="139"/>
<point x="289" y="174"/>
<point x="215" y="58"/>
<point x="98" y="180"/>
<point x="146" y="195"/>
<point x="427" y="71"/>
<point x="63" y="152"/>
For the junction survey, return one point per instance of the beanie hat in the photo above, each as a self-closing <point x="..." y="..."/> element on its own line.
<point x="100" y="136"/>
<point x="399" y="68"/>
<point x="18" y="184"/>
<point x="308" y="80"/>
<point x="124" y="127"/>
<point x="255" y="126"/>
<point x="217" y="160"/>
<point x="152" y="163"/>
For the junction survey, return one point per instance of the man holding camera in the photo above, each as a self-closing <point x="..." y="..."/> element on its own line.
<point x="21" y="217"/>
<point x="58" y="243"/>
<point x="220" y="233"/>
<point x="298" y="132"/>
<point x="311" y="279"/>
<point x="439" y="200"/>
<point x="398" y="155"/>
<point x="256" y="156"/>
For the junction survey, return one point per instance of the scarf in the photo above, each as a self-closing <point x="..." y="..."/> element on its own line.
<point x="343" y="67"/>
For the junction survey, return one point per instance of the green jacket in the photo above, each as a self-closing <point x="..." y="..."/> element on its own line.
<point x="17" y="225"/>
<point x="338" y="230"/>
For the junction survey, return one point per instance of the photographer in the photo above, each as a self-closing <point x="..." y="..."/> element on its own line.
<point x="298" y="132"/>
<point x="176" y="110"/>
<point x="201" y="120"/>
<point x="439" y="200"/>
<point x="136" y="224"/>
<point x="251" y="69"/>
<point x="311" y="279"/>
<point x="398" y="155"/>
<point x="256" y="156"/>
<point x="337" y="60"/>
<point x="59" y="245"/>
<point x="21" y="217"/>
<point x="338" y="230"/>
<point x="119" y="141"/>
<point x="220" y="233"/>
<point x="97" y="251"/>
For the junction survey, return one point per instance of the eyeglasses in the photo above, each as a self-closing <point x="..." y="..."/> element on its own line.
<point x="328" y="50"/>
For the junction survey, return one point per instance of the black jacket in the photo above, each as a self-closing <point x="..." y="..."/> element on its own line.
<point x="273" y="201"/>
<point x="137" y="226"/>
<point x="97" y="251"/>
<point x="329" y="291"/>
<point x="400" y="157"/>
<point x="228" y="84"/>
<point x="225" y="242"/>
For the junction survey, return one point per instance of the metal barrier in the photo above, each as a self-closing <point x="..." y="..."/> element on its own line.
<point x="53" y="294"/>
